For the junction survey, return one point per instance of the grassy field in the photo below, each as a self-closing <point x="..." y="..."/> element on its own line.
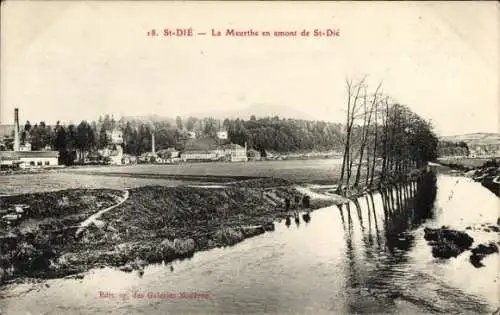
<point x="325" y="171"/>
<point x="53" y="181"/>
<point x="295" y="170"/>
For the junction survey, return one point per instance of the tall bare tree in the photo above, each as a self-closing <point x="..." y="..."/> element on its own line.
<point x="366" y="127"/>
<point x="353" y="96"/>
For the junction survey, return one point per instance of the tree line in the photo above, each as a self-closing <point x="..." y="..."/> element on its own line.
<point x="74" y="142"/>
<point x="449" y="148"/>
<point x="284" y="135"/>
<point x="382" y="139"/>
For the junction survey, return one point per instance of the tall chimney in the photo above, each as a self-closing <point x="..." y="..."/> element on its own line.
<point x="153" y="143"/>
<point x="17" y="142"/>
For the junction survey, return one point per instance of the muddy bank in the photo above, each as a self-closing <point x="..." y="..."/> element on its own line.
<point x="489" y="177"/>
<point x="36" y="228"/>
<point x="154" y="224"/>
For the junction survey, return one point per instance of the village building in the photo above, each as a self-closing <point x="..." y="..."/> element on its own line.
<point x="222" y="135"/>
<point x="235" y="152"/>
<point x="253" y="155"/>
<point x="113" y="151"/>
<point x="147" y="157"/>
<point x="29" y="159"/>
<point x="129" y="159"/>
<point x="213" y="149"/>
<point x="22" y="155"/>
<point x="170" y="155"/>
<point x="206" y="155"/>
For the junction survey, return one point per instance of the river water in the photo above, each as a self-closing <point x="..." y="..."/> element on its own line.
<point x="366" y="257"/>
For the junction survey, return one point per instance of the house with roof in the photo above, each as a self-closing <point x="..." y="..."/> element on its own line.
<point x="169" y="155"/>
<point x="29" y="159"/>
<point x="235" y="152"/>
<point x="213" y="149"/>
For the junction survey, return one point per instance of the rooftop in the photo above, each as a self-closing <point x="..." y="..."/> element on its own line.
<point x="232" y="146"/>
<point x="15" y="155"/>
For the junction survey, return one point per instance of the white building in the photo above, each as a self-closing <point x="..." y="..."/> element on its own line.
<point x="229" y="152"/>
<point x="200" y="155"/>
<point x="29" y="159"/>
<point x="235" y="152"/>
<point x="222" y="135"/>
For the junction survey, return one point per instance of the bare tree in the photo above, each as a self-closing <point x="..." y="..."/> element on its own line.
<point x="353" y="95"/>
<point x="400" y="137"/>
<point x="374" y="152"/>
<point x="366" y="127"/>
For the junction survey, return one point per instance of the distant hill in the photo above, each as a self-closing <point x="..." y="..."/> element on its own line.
<point x="478" y="138"/>
<point x="259" y="110"/>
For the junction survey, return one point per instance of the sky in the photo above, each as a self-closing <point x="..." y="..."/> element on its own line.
<point x="70" y="61"/>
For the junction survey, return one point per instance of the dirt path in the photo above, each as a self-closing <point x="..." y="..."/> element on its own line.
<point x="93" y="218"/>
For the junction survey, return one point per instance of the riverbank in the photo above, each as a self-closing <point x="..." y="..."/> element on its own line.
<point x="154" y="224"/>
<point x="487" y="172"/>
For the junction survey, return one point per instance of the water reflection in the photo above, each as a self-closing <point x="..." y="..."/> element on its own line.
<point x="306" y="217"/>
<point x="378" y="235"/>
<point x="297" y="219"/>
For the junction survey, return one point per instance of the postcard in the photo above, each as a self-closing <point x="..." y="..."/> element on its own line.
<point x="218" y="157"/>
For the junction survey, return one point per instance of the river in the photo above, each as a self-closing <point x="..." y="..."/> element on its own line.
<point x="368" y="257"/>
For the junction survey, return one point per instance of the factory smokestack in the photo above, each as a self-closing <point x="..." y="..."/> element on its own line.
<point x="17" y="143"/>
<point x="153" y="143"/>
